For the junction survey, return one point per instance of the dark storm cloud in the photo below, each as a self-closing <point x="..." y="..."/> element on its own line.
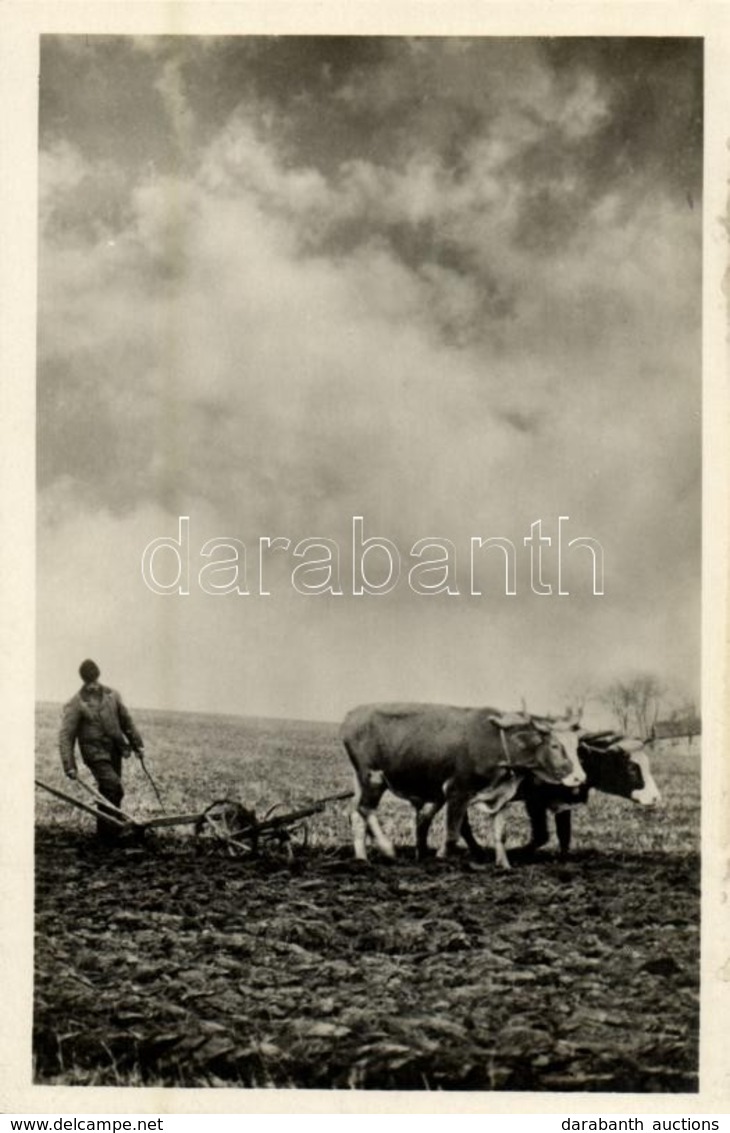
<point x="449" y="285"/>
<point x="649" y="142"/>
<point x="99" y="96"/>
<point x="588" y="118"/>
<point x="286" y="73"/>
<point x="102" y="93"/>
<point x="279" y="263"/>
<point x="332" y="99"/>
<point x="654" y="88"/>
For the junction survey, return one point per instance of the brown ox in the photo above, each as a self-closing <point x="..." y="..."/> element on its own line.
<point x="436" y="755"/>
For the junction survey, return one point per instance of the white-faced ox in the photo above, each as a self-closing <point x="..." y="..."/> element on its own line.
<point x="614" y="764"/>
<point x="438" y="755"/>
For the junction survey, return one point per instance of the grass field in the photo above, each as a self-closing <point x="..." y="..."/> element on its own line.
<point x="176" y="965"/>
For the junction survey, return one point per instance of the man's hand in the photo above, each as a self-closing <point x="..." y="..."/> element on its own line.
<point x="72" y="773"/>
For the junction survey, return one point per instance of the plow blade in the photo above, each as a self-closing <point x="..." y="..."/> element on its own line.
<point x="169" y="820"/>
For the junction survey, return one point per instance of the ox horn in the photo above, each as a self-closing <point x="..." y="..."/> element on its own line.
<point x="630" y="745"/>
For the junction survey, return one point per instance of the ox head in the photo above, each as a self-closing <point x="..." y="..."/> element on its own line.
<point x="567" y="730"/>
<point x="618" y="766"/>
<point x="534" y="745"/>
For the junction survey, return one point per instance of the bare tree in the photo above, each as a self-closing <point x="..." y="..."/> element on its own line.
<point x="689" y="721"/>
<point x="617" y="698"/>
<point x="635" y="702"/>
<point x="648" y="692"/>
<point x="577" y="695"/>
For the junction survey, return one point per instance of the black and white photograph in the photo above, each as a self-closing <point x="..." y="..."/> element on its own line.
<point x="368" y="513"/>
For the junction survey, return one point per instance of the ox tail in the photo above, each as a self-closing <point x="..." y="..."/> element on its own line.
<point x="348" y="749"/>
<point x="356" y="774"/>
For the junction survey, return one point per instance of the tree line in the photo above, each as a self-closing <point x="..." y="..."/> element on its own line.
<point x="643" y="705"/>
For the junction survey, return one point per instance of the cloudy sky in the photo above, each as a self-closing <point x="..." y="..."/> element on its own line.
<point x="449" y="285"/>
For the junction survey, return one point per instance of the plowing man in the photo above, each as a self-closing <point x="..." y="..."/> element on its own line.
<point x="97" y="718"/>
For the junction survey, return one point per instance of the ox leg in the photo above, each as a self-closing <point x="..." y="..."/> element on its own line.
<point x="455" y="812"/>
<point x="425" y="814"/>
<point x="500" y="822"/>
<point x="537" y="813"/>
<point x="368" y="793"/>
<point x="359" y="828"/>
<point x="475" y="848"/>
<point x="563" y="827"/>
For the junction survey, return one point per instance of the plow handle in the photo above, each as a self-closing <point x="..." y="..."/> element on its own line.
<point x="83" y="806"/>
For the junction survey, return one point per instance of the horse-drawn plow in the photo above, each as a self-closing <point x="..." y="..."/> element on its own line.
<point x="225" y="822"/>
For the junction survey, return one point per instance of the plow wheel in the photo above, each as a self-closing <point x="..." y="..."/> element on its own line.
<point x="230" y="824"/>
<point x="289" y="840"/>
<point x="227" y="823"/>
<point x="284" y="833"/>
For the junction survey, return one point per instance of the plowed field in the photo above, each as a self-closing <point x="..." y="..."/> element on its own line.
<point x="174" y="964"/>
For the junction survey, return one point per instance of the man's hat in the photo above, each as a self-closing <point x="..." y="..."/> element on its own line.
<point x="89" y="671"/>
